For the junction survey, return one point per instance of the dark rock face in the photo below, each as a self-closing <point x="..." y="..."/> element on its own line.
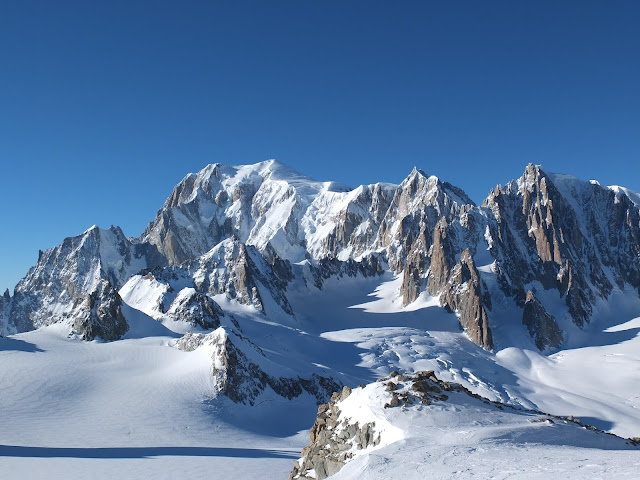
<point x="239" y="271"/>
<point x="178" y="232"/>
<point x="467" y="295"/>
<point x="442" y="259"/>
<point x="369" y="266"/>
<point x="100" y="315"/>
<point x="419" y="203"/>
<point x="5" y="302"/>
<point x="541" y="325"/>
<point x="576" y="236"/>
<point x="243" y="380"/>
<point x="196" y="309"/>
<point x="538" y="216"/>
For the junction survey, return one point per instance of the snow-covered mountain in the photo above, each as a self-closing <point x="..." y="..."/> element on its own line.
<point x="545" y="251"/>
<point x="285" y="289"/>
<point x="77" y="282"/>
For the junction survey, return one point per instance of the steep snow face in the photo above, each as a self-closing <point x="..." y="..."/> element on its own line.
<point x="620" y="191"/>
<point x="58" y="287"/>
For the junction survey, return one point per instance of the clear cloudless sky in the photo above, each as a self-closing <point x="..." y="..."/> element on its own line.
<point x="105" y="106"/>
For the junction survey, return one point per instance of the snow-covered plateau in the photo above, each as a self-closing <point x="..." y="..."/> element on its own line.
<point x="255" y="316"/>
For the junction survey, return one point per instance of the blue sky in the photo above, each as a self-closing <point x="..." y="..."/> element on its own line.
<point x="105" y="106"/>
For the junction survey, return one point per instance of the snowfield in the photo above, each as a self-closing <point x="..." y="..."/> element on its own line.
<point x="134" y="408"/>
<point x="141" y="408"/>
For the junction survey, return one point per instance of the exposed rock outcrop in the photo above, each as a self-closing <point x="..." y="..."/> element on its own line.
<point x="369" y="266"/>
<point x="542" y="326"/>
<point x="195" y="308"/>
<point x="467" y="295"/>
<point x="5" y="302"/>
<point x="332" y="440"/>
<point x="567" y="235"/>
<point x="419" y="203"/>
<point x="100" y="315"/>
<point x="239" y="369"/>
<point x="336" y="438"/>
<point x="420" y="408"/>
<point x="240" y="272"/>
<point x="354" y="224"/>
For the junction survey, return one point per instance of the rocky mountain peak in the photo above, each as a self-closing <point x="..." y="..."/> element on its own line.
<point x="428" y="191"/>
<point x="100" y="314"/>
<point x="57" y="287"/>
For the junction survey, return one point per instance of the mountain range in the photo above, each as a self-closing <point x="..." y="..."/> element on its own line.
<point x="545" y="251"/>
<point x="544" y="265"/>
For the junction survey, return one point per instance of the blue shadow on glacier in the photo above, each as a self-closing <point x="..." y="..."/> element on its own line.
<point x="8" y="343"/>
<point x="605" y="425"/>
<point x="141" y="452"/>
<point x="577" y="437"/>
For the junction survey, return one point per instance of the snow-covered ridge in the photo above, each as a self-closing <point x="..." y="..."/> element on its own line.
<point x="418" y="426"/>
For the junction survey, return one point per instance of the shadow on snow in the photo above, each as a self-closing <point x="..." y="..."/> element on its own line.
<point x="141" y="452"/>
<point x="14" y="344"/>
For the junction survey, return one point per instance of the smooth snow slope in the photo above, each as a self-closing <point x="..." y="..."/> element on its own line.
<point x="135" y="408"/>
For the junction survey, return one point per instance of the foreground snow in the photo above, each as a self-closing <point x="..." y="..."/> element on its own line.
<point x="141" y="408"/>
<point x="464" y="437"/>
<point x="134" y="408"/>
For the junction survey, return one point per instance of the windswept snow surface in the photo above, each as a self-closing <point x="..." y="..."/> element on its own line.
<point x="141" y="408"/>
